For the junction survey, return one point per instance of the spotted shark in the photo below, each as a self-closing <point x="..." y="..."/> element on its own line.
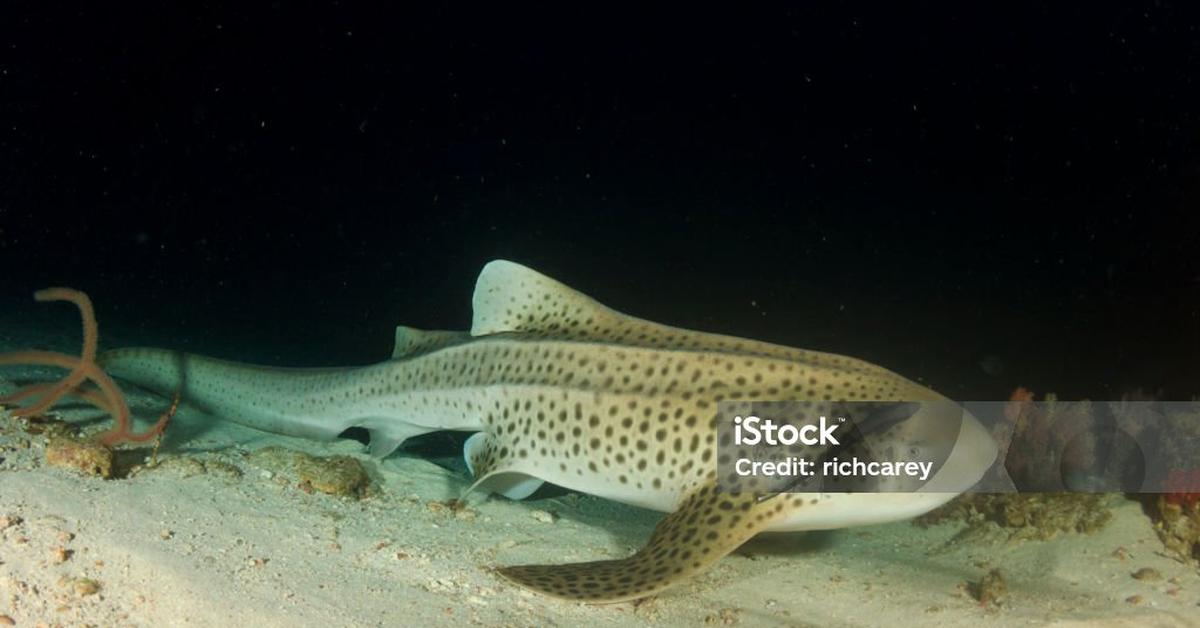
<point x="558" y="388"/>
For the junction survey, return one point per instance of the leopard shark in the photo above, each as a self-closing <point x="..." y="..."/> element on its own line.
<point x="556" y="387"/>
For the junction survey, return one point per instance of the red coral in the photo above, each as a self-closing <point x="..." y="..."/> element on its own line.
<point x="1183" y="487"/>
<point x="106" y="396"/>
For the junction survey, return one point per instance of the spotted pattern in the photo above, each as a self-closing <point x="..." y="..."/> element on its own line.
<point x="565" y="390"/>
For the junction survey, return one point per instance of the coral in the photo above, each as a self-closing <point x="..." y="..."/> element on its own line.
<point x="1177" y="524"/>
<point x="85" y="456"/>
<point x="1026" y="516"/>
<point x="106" y="395"/>
<point x="342" y="476"/>
<point x="1183" y="486"/>
<point x="1102" y="446"/>
<point x="1033" y="441"/>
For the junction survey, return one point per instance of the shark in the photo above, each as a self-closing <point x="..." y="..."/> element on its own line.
<point x="556" y="387"/>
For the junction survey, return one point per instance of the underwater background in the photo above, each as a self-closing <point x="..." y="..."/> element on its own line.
<point x="980" y="198"/>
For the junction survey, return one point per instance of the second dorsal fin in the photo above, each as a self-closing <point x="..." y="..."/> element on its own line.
<point x="411" y="341"/>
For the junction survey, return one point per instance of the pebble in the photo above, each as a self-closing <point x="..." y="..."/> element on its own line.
<point x="543" y="516"/>
<point x="1148" y="574"/>
<point x="440" y="585"/>
<point x="60" y="555"/>
<point x="86" y="586"/>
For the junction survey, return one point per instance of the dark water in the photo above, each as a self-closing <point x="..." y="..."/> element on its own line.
<point x="977" y="199"/>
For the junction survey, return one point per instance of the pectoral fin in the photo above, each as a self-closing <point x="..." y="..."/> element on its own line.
<point x="494" y="472"/>
<point x="707" y="526"/>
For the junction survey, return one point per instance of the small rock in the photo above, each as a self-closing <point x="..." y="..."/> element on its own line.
<point x="8" y="521"/>
<point x="342" y="476"/>
<point x="223" y="469"/>
<point x="1148" y="574"/>
<point x="60" y="555"/>
<point x="439" y="585"/>
<point x="86" y="456"/>
<point x="1134" y="599"/>
<point x="165" y="534"/>
<point x="5" y="620"/>
<point x="544" y="516"/>
<point x="724" y="617"/>
<point x="85" y="587"/>
<point x="991" y="589"/>
<point x="186" y="466"/>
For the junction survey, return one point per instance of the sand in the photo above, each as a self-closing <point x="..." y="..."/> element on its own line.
<point x="209" y="537"/>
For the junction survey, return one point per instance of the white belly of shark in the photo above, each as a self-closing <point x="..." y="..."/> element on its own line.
<point x="559" y="388"/>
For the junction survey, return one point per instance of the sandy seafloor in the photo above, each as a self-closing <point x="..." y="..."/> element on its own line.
<point x="210" y="549"/>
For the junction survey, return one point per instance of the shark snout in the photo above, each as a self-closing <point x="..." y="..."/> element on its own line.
<point x="973" y="452"/>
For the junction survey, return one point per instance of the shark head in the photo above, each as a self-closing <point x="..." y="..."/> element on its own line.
<point x="940" y="431"/>
<point x="937" y="432"/>
<point x="972" y="454"/>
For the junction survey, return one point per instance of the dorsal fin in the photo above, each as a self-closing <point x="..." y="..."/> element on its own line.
<point x="411" y="341"/>
<point x="512" y="298"/>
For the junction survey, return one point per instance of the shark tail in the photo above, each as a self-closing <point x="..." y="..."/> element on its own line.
<point x="306" y="403"/>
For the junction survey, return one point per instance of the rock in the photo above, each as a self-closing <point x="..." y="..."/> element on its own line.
<point x="79" y="454"/>
<point x="85" y="586"/>
<point x="342" y="476"/>
<point x="1148" y="574"/>
<point x="544" y="516"/>
<point x="991" y="589"/>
